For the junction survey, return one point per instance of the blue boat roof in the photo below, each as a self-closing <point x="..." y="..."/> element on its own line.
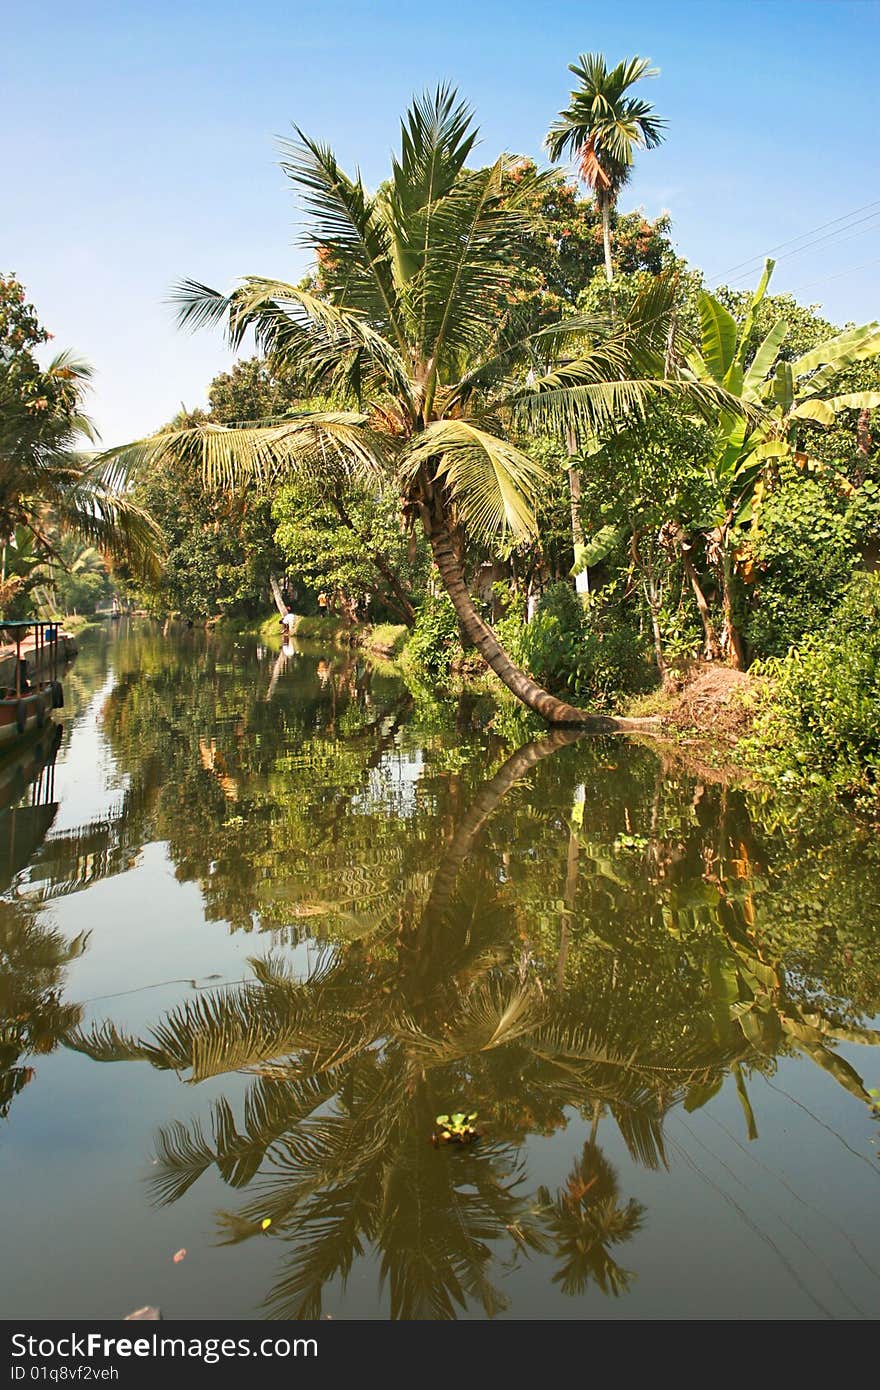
<point x="29" y="622"/>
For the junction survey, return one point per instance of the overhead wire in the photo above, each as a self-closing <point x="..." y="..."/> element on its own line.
<point x="762" y="256"/>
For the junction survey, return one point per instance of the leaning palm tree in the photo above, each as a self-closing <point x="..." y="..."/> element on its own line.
<point x="603" y="127"/>
<point x="415" y="318"/>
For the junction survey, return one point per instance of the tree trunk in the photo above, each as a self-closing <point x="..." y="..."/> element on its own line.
<point x="606" y="237"/>
<point x="582" y="580"/>
<point x="276" y="594"/>
<point x="481" y="636"/>
<point x="731" y="638"/>
<point x="653" y="598"/>
<point x="711" y="648"/>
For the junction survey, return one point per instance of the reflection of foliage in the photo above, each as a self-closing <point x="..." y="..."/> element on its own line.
<point x="34" y="1018"/>
<point x="450" y="992"/>
<point x="545" y="940"/>
<point x="586" y="1218"/>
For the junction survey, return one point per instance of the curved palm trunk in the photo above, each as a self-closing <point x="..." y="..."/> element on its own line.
<point x="485" y="802"/>
<point x="481" y="636"/>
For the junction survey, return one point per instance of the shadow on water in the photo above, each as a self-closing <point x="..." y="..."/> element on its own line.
<point x="579" y="939"/>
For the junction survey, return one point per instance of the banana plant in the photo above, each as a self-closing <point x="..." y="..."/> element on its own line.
<point x="786" y="393"/>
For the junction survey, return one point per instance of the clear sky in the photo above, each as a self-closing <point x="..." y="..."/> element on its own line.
<point x="139" y="145"/>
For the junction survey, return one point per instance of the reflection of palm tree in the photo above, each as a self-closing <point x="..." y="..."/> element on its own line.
<point x="33" y="1016"/>
<point x="586" y="1218"/>
<point x="352" y="1066"/>
<point x="423" y="1012"/>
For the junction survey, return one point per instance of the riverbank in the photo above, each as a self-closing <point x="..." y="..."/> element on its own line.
<point x="704" y="716"/>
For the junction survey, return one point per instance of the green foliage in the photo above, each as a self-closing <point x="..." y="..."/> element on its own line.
<point x="220" y="552"/>
<point x="819" y="730"/>
<point x="352" y="546"/>
<point x="435" y="642"/>
<point x="47" y="485"/>
<point x="804" y="553"/>
<point x="561" y="249"/>
<point x="576" y="651"/>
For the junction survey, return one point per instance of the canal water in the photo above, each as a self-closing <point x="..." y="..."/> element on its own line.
<point x="263" y="919"/>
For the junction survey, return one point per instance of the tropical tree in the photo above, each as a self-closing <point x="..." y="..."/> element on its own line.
<point x="47" y="483"/>
<point x="790" y="396"/>
<point x="603" y="127"/>
<point x="417" y="323"/>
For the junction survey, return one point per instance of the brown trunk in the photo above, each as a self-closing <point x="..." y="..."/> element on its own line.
<point x="711" y="648"/>
<point x="481" y="808"/>
<point x="653" y="598"/>
<point x="481" y="636"/>
<point x="731" y="638"/>
<point x="582" y="581"/>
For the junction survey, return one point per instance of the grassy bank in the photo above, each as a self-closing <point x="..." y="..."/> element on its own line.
<point x="385" y="639"/>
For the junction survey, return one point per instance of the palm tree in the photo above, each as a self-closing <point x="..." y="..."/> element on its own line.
<point x="603" y="127"/>
<point x="416" y="319"/>
<point x="48" y="484"/>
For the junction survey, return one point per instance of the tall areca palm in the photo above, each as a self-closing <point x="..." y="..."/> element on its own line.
<point x="603" y="127"/>
<point x="416" y="321"/>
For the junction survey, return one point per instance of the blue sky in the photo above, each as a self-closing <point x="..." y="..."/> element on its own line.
<point x="139" y="145"/>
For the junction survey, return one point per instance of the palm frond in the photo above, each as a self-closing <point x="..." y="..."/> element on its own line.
<point x="329" y="443"/>
<point x="491" y="1015"/>
<point x="492" y="484"/>
<point x="348" y="231"/>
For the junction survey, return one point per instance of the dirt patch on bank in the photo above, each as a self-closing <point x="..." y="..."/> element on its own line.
<point x="703" y="715"/>
<point x="714" y="701"/>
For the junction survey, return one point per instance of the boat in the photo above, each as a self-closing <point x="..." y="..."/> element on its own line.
<point x="27" y="703"/>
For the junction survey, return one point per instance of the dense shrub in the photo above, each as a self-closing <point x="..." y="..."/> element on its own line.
<point x="819" y="729"/>
<point x="434" y="642"/>
<point x="804" y="550"/>
<point x="573" y="651"/>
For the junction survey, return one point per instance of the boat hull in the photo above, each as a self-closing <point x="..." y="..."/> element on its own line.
<point x="23" y="716"/>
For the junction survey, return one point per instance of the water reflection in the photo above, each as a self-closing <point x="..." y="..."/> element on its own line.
<point x="579" y="939"/>
<point x="34" y="1018"/>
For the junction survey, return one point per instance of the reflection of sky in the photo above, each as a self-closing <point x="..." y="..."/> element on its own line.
<point x="392" y="786"/>
<point x="88" y="784"/>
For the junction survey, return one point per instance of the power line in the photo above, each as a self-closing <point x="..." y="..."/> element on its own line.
<point x="782" y="244"/>
<point x="850" y="270"/>
<point x="837" y="237"/>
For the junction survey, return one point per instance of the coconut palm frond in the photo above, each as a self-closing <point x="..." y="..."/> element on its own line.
<point x="491" y="483"/>
<point x="491" y="1015"/>
<point x="112" y="522"/>
<point x="348" y="232"/>
<point x="106" y="1043"/>
<point x="641" y="1128"/>
<point x="235" y="457"/>
<point x="183" y="1154"/>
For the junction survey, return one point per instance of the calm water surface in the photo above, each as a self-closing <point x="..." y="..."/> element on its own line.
<point x="264" y="919"/>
